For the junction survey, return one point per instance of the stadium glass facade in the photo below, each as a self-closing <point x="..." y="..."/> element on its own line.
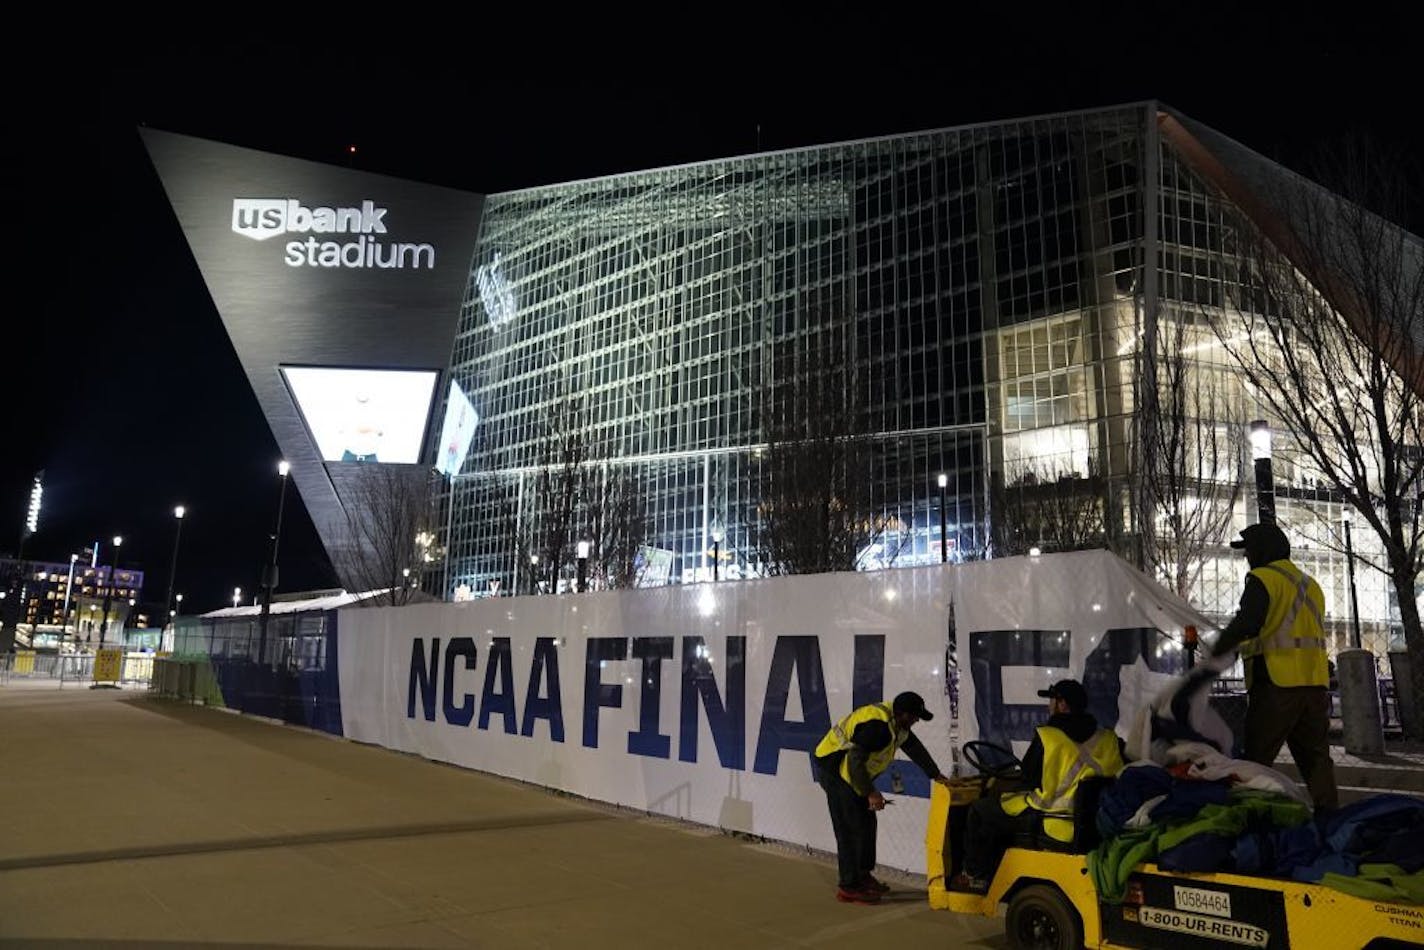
<point x="999" y="290"/>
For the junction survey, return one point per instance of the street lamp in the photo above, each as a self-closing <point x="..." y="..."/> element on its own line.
<point x="68" y="590"/>
<point x="178" y="514"/>
<point x="1260" y="437"/>
<point x="582" y="550"/>
<point x="236" y="595"/>
<point x="943" y="528"/>
<point x="1354" y="598"/>
<point x="533" y="573"/>
<point x="109" y="591"/>
<point x="718" y="533"/>
<point x="269" y="573"/>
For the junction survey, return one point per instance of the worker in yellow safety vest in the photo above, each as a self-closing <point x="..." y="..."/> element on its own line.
<point x="1067" y="749"/>
<point x="858" y="749"/>
<point x="1278" y="630"/>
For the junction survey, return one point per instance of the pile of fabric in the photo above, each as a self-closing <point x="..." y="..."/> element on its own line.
<point x="1188" y="814"/>
<point x="1186" y="806"/>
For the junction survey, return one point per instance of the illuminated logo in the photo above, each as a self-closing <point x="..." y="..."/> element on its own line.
<point x="263" y="218"/>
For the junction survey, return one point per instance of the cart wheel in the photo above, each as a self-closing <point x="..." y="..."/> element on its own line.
<point x="1040" y="918"/>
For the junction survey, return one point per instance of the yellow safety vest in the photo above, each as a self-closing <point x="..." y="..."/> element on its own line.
<point x="1065" y="764"/>
<point x="1293" y="638"/>
<point x="838" y="739"/>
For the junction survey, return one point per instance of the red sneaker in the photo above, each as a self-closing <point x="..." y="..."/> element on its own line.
<point x="873" y="884"/>
<point x="856" y="895"/>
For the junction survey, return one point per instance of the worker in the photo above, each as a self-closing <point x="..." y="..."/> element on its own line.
<point x="1279" y="633"/>
<point x="856" y="750"/>
<point x="1066" y="749"/>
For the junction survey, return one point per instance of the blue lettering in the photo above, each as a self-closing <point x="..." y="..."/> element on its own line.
<point x="868" y="681"/>
<point x="647" y="740"/>
<point x="462" y="714"/>
<point x="989" y="653"/>
<point x="501" y="665"/>
<point x="801" y="655"/>
<point x="1102" y="671"/>
<point x="728" y="723"/>
<point x="546" y="664"/>
<point x="597" y="693"/>
<point x="422" y="678"/>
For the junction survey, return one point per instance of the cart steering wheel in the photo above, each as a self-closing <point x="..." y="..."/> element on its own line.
<point x="993" y="761"/>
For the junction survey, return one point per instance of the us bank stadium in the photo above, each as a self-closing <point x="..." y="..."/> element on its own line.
<point x="989" y="293"/>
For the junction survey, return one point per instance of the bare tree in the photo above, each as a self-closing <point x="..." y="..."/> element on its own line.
<point x="1044" y="509"/>
<point x="387" y="508"/>
<point x="617" y="525"/>
<point x="1326" y="326"/>
<point x="1194" y="460"/>
<point x="818" y="472"/>
<point x="572" y="498"/>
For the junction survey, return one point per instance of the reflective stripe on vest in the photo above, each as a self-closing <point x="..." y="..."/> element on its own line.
<point x="1292" y="640"/>
<point x="1099" y="755"/>
<point x="839" y="739"/>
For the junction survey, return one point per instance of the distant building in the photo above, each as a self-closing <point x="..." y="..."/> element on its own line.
<point x="42" y="588"/>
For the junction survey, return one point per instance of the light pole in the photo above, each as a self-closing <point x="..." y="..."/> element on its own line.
<point x="1260" y="437"/>
<point x="178" y="514"/>
<point x="269" y="572"/>
<point x="68" y="590"/>
<point x="943" y="527"/>
<point x="533" y="573"/>
<point x="718" y="533"/>
<point x="1354" y="598"/>
<point x="109" y="591"/>
<point x="582" y="549"/>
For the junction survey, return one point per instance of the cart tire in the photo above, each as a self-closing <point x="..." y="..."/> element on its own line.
<point x="1040" y="918"/>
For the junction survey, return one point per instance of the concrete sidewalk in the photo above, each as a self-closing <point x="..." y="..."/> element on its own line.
<point x="131" y="822"/>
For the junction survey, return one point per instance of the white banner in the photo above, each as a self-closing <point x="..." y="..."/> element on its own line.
<point x="703" y="702"/>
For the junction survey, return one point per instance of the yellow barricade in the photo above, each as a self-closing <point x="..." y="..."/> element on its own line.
<point x="108" y="665"/>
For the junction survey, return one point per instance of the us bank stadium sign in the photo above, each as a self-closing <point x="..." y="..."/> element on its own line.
<point x="329" y="237"/>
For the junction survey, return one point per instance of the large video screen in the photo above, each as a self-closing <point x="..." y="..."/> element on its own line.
<point x="364" y="415"/>
<point x="457" y="432"/>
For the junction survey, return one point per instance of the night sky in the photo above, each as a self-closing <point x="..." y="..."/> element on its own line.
<point x="123" y="387"/>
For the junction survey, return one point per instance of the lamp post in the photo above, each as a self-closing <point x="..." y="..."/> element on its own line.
<point x="943" y="527"/>
<point x="109" y="591"/>
<point x="1354" y="598"/>
<point x="178" y="514"/>
<point x="1260" y="438"/>
<point x="269" y="573"/>
<point x="68" y="590"/>
<point x="533" y="573"/>
<point x="582" y="549"/>
<point x="718" y="534"/>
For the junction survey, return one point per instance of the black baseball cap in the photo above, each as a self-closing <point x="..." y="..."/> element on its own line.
<point x="912" y="703"/>
<point x="1260" y="535"/>
<point x="1070" y="691"/>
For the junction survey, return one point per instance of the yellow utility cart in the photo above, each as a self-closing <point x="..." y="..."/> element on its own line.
<point x="1050" y="903"/>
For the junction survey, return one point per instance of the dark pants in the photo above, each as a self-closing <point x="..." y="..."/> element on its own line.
<point x="1298" y="717"/>
<point x="854" y="825"/>
<point x="988" y="830"/>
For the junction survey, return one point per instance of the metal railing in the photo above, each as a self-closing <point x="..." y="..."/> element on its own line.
<point x="70" y="669"/>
